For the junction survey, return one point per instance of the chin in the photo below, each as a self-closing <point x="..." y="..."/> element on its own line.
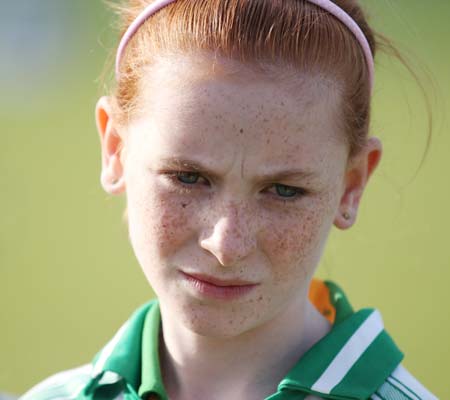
<point x="215" y="328"/>
<point x="217" y="320"/>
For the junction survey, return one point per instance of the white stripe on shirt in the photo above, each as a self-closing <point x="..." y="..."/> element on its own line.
<point x="350" y="353"/>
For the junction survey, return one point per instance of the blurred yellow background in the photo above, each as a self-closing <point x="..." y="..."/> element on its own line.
<point x="68" y="276"/>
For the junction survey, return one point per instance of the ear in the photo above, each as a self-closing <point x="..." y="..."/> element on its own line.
<point x="112" y="177"/>
<point x="359" y="170"/>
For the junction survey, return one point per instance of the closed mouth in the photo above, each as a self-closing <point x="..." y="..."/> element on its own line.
<point x="212" y="280"/>
<point x="211" y="287"/>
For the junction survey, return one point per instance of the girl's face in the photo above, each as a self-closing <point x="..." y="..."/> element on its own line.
<point x="232" y="186"/>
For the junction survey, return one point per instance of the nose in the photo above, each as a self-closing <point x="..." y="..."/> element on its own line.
<point x="232" y="236"/>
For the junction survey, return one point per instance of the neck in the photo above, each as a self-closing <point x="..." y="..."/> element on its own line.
<point x="248" y="366"/>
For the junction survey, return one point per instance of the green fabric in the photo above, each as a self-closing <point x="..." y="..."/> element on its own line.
<point x="151" y="380"/>
<point x="124" y="360"/>
<point x="287" y="394"/>
<point x="135" y="357"/>
<point x="372" y="369"/>
<point x="311" y="366"/>
<point x="126" y="357"/>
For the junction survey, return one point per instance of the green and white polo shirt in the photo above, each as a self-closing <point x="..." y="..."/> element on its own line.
<point x="356" y="360"/>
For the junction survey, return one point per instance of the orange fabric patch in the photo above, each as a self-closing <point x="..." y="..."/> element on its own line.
<point x="319" y="295"/>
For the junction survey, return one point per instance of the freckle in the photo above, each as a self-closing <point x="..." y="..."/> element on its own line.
<point x="183" y="205"/>
<point x="241" y="130"/>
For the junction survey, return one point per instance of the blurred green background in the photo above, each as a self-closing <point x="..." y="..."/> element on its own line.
<point x="68" y="277"/>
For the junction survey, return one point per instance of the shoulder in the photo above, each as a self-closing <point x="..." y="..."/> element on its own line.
<point x="63" y="385"/>
<point x="401" y="385"/>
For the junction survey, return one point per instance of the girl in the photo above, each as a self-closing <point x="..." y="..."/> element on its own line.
<point x="238" y="131"/>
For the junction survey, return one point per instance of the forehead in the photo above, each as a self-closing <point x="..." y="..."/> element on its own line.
<point x="206" y="105"/>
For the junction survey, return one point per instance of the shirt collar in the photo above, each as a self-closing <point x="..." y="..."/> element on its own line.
<point x="350" y="362"/>
<point x="151" y="379"/>
<point x="119" y="362"/>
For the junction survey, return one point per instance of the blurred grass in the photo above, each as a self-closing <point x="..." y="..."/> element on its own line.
<point x="68" y="277"/>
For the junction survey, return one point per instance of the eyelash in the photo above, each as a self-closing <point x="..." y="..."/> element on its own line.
<point x="187" y="187"/>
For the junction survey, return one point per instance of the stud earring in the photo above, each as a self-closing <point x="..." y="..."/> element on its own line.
<point x="346" y="216"/>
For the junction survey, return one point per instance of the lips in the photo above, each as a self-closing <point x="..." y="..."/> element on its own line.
<point x="217" y="288"/>
<point x="219" y="282"/>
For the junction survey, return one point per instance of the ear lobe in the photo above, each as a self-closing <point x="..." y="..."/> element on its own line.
<point x="358" y="172"/>
<point x="112" y="177"/>
<point x="346" y="214"/>
<point x="111" y="184"/>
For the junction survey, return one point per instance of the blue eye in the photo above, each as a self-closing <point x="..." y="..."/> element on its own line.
<point x="188" y="177"/>
<point x="288" y="192"/>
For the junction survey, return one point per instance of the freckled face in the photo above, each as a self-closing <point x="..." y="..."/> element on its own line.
<point x="229" y="220"/>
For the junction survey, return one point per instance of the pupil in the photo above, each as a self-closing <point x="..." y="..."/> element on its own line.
<point x="188" y="177"/>
<point x="285" y="191"/>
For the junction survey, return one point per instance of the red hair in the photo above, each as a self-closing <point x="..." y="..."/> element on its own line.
<point x="284" y="32"/>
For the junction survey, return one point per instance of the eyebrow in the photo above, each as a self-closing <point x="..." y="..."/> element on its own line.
<point x="174" y="162"/>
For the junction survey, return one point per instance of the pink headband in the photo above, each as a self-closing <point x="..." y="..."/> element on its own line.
<point x="327" y="5"/>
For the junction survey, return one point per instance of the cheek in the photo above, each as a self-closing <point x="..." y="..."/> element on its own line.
<point x="295" y="240"/>
<point x="169" y="223"/>
<point x="159" y="222"/>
